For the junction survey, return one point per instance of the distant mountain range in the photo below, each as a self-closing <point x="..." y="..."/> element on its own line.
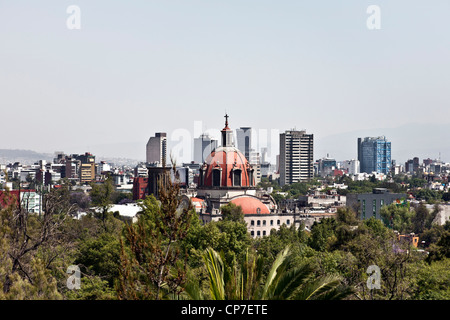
<point x="28" y="157"/>
<point x="23" y="156"/>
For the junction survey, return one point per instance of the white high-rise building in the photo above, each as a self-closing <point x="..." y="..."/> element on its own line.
<point x="296" y="157"/>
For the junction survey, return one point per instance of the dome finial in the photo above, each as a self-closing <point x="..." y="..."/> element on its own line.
<point x="226" y="120"/>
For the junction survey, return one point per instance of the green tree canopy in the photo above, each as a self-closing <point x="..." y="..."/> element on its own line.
<point x="232" y="212"/>
<point x="397" y="217"/>
<point x="323" y="234"/>
<point x="150" y="261"/>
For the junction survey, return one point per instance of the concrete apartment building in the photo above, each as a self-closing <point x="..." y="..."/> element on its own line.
<point x="296" y="157"/>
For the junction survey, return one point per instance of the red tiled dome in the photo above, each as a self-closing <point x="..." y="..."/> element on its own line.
<point x="251" y="205"/>
<point x="226" y="166"/>
<point x="232" y="167"/>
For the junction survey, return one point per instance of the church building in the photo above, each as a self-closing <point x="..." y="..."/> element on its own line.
<point x="227" y="176"/>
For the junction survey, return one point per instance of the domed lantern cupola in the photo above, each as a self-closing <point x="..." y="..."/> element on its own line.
<point x="227" y="134"/>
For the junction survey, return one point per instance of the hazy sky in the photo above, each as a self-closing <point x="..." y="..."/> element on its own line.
<point x="140" y="67"/>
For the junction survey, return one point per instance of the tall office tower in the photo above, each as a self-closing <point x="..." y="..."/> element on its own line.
<point x="244" y="140"/>
<point x="296" y="157"/>
<point x="203" y="146"/>
<point x="374" y="154"/>
<point x="157" y="149"/>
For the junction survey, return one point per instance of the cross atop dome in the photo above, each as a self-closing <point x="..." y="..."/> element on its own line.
<point x="226" y="121"/>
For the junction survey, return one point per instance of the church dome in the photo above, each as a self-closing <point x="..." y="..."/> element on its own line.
<point x="226" y="166"/>
<point x="251" y="205"/>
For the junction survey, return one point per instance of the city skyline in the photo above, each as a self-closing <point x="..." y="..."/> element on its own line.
<point x="106" y="87"/>
<point x="343" y="146"/>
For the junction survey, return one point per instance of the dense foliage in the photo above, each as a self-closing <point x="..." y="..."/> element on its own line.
<point x="168" y="254"/>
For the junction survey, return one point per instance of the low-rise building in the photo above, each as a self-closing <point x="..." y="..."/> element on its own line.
<point x="369" y="204"/>
<point x="328" y="202"/>
<point x="28" y="199"/>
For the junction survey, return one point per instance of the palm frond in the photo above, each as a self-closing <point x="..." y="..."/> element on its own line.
<point x="243" y="282"/>
<point x="215" y="268"/>
<point x="290" y="281"/>
<point x="280" y="258"/>
<point x="251" y="274"/>
<point x="338" y="293"/>
<point x="314" y="289"/>
<point x="193" y="290"/>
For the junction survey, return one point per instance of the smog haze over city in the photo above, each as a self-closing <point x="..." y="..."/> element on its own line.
<point x="130" y="69"/>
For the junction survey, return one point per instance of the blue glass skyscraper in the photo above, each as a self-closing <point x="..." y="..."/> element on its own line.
<point x="374" y="154"/>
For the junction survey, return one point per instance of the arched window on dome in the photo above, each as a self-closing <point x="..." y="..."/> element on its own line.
<point x="216" y="177"/>
<point x="237" y="180"/>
